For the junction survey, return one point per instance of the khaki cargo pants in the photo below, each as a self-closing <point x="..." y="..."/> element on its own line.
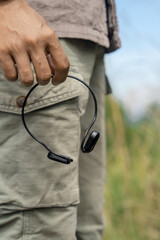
<point x="39" y="198"/>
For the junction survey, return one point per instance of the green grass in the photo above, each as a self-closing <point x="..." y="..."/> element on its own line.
<point x="132" y="207"/>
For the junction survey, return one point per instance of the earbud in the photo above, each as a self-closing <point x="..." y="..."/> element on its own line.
<point x="87" y="145"/>
<point x="91" y="142"/>
<point x="59" y="158"/>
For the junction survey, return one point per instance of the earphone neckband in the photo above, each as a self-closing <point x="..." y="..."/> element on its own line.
<point x="86" y="145"/>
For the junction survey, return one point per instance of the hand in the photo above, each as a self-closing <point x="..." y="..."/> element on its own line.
<point x="26" y="37"/>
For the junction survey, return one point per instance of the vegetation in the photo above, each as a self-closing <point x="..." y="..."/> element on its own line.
<point x="132" y="207"/>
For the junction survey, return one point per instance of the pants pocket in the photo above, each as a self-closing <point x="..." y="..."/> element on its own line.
<point x="28" y="179"/>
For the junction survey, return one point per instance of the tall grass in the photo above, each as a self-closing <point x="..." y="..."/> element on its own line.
<point x="132" y="207"/>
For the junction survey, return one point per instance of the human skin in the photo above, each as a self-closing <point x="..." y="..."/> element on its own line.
<point x="25" y="38"/>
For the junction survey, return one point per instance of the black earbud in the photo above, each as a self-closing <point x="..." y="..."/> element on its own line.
<point x="87" y="145"/>
<point x="91" y="142"/>
<point x="59" y="158"/>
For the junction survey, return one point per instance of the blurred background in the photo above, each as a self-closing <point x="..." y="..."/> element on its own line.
<point x="132" y="205"/>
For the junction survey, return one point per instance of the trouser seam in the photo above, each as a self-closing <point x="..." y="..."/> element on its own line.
<point x="26" y="225"/>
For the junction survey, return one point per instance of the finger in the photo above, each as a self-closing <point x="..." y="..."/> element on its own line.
<point x="50" y="62"/>
<point x="8" y="67"/>
<point x="60" y="60"/>
<point x="24" y="68"/>
<point x="41" y="66"/>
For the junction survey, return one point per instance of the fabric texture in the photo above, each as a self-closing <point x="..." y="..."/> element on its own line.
<point x="91" y="20"/>
<point x="112" y="24"/>
<point x="28" y="180"/>
<point x="39" y="224"/>
<point x="75" y="19"/>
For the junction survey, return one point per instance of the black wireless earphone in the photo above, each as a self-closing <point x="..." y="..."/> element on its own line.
<point x="86" y="145"/>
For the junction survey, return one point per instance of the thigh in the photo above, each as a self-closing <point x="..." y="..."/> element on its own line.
<point x="92" y="166"/>
<point x="28" y="179"/>
<point x="39" y="224"/>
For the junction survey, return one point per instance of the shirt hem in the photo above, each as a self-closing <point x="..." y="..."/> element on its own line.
<point x="85" y="33"/>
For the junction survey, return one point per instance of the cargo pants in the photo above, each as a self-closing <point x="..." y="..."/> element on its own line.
<point x="41" y="199"/>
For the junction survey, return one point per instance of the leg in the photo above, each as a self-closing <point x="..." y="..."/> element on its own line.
<point x="29" y="181"/>
<point x="39" y="224"/>
<point x="32" y="205"/>
<point x="92" y="166"/>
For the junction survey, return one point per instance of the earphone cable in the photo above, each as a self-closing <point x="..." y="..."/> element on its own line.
<point x="95" y="113"/>
<point x="23" y="119"/>
<point x="88" y="129"/>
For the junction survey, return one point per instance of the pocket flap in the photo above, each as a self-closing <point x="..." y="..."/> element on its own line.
<point x="42" y="96"/>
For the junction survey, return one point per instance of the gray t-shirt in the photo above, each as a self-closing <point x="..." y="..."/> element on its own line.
<point x="75" y="18"/>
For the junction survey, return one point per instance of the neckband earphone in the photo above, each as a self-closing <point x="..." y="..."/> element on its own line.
<point x="87" y="145"/>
